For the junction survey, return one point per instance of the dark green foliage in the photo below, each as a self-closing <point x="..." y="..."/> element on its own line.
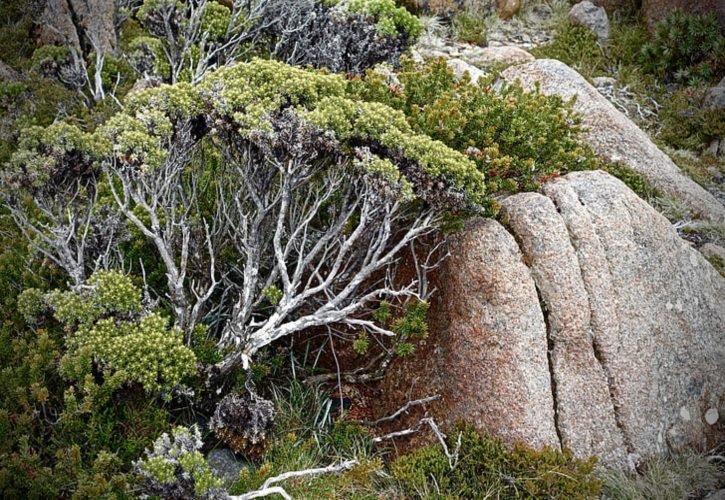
<point x="57" y="442"/>
<point x="517" y="138"/>
<point x="575" y="46"/>
<point x="687" y="123"/>
<point x="686" y="48"/>
<point x="718" y="263"/>
<point x="634" y="181"/>
<point x="469" y="28"/>
<point x="59" y="438"/>
<point x="16" y="46"/>
<point x="488" y="469"/>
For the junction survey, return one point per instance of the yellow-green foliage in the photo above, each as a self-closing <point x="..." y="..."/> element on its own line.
<point x="390" y="19"/>
<point x="105" y="323"/>
<point x="488" y="469"/>
<point x="150" y="6"/>
<point x="250" y="94"/>
<point x="365" y="120"/>
<point x="215" y="20"/>
<point x="146" y="54"/>
<point x="42" y="150"/>
<point x="175" y="464"/>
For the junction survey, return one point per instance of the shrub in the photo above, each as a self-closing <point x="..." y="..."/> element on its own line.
<point x="487" y="468"/>
<point x="686" y="48"/>
<point x="634" y="180"/>
<point x="58" y="441"/>
<point x="575" y="46"/>
<point x="344" y="37"/>
<point x="516" y="138"/>
<point x="175" y="468"/>
<point x="390" y="19"/>
<point x="469" y="28"/>
<point x="106" y="324"/>
<point x="687" y="123"/>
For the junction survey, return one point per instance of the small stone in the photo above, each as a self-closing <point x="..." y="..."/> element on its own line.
<point x="715" y="98"/>
<point x="508" y="8"/>
<point x="461" y="67"/>
<point x="685" y="414"/>
<point x="712" y="416"/>
<point x="589" y="16"/>
<point x="604" y="81"/>
<point x="225" y="464"/>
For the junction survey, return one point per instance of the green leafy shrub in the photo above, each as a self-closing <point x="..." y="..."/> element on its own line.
<point x="686" y="48"/>
<point x="634" y="181"/>
<point x="85" y="449"/>
<point x="469" y="28"/>
<point x="487" y="468"/>
<point x="687" y="123"/>
<point x="391" y="20"/>
<point x="575" y="46"/>
<point x="106" y="324"/>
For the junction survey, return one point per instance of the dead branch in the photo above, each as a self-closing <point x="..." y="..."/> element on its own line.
<point x="268" y="488"/>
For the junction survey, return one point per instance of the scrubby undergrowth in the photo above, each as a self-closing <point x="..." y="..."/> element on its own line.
<point x="160" y="248"/>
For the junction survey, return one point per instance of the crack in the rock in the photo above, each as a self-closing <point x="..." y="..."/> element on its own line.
<point x="549" y="340"/>
<point x="596" y="346"/>
<point x="549" y="350"/>
<point x="599" y="356"/>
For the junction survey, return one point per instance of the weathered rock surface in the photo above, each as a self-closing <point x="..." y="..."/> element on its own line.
<point x="586" y="323"/>
<point x="472" y="54"/>
<point x="584" y="408"/>
<point x="491" y="56"/>
<point x="8" y="74"/>
<point x="65" y="21"/>
<point x="613" y="136"/>
<point x="488" y="358"/>
<point x="461" y="67"/>
<point x="715" y="98"/>
<point x="710" y="250"/>
<point x="592" y="17"/>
